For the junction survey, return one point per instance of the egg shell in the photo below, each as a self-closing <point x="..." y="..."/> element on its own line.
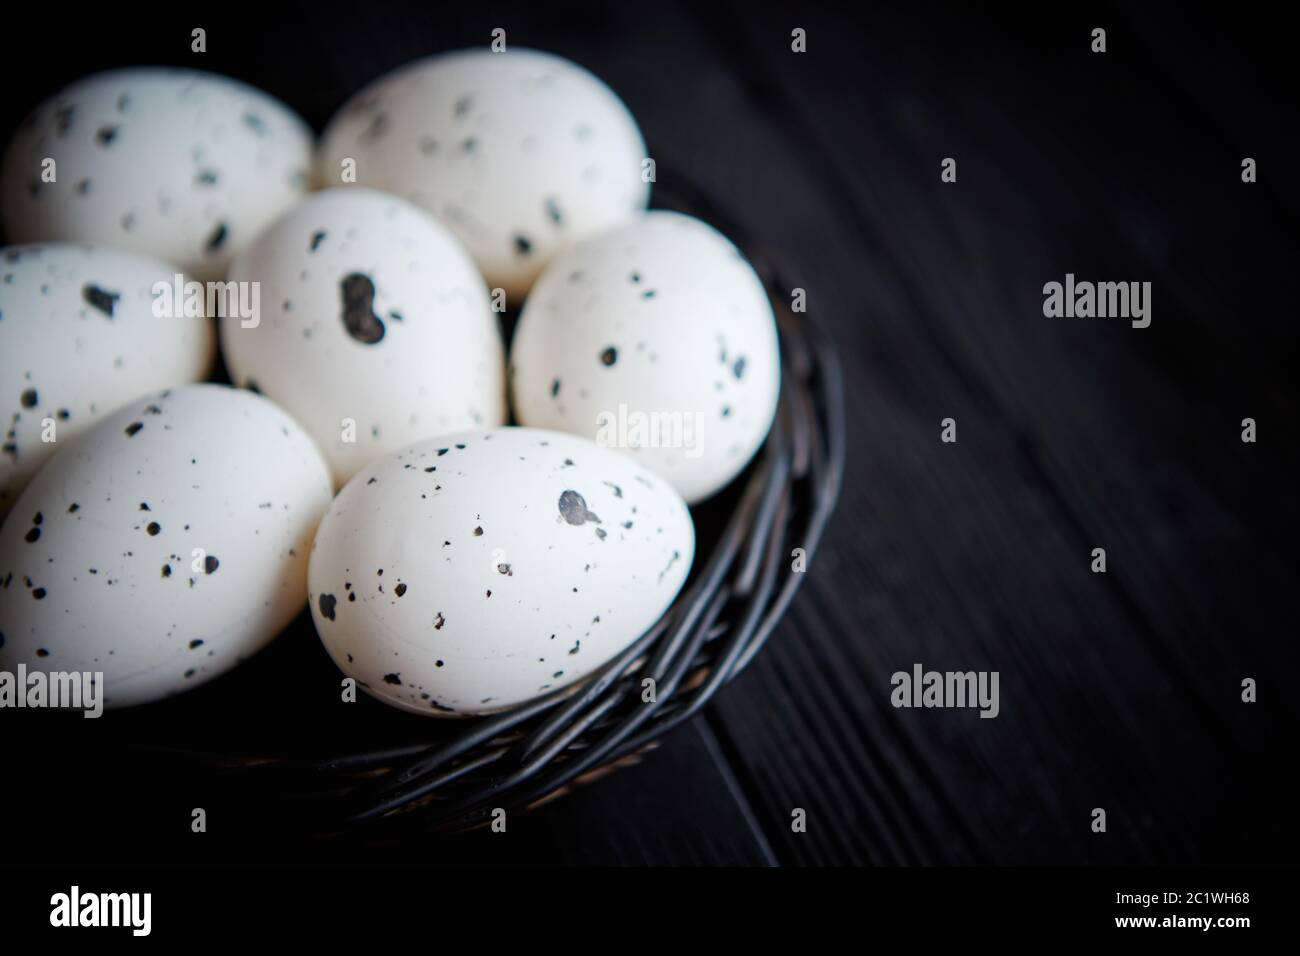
<point x="179" y="164"/>
<point x="521" y="153"/>
<point x="469" y="574"/>
<point x="99" y="567"/>
<point x="657" y="338"/>
<point x="78" y="338"/>
<point x="372" y="314"/>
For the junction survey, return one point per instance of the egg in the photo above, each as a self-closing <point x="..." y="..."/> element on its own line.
<point x="78" y="338"/>
<point x="163" y="546"/>
<point x="179" y="164"/>
<point x="375" y="329"/>
<point x="472" y="573"/>
<point x="521" y="153"/>
<point x="656" y="338"/>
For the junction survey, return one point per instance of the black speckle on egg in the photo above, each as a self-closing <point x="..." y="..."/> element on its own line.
<point x="573" y="508"/>
<point x="327" y="603"/>
<point x="317" y="238"/>
<point x="133" y="429"/>
<point x="358" y="293"/>
<point x="393" y="679"/>
<point x="210" y="564"/>
<point x="197" y="642"/>
<point x="100" y="299"/>
<point x="153" y="528"/>
<point x="378" y="126"/>
<point x="42" y="652"/>
<point x="33" y="535"/>
<point x="106" y="135"/>
<point x="400" y="590"/>
<point x="29" y="398"/>
<point x="166" y="570"/>
<point x="523" y="245"/>
<point x="38" y="593"/>
<point x="217" y="238"/>
<point x="609" y="356"/>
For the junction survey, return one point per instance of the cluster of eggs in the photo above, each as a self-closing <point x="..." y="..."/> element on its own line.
<point x="159" y="530"/>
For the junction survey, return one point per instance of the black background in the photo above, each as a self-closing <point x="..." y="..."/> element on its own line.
<point x="1120" y="690"/>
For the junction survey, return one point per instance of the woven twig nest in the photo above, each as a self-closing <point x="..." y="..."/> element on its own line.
<point x="457" y="773"/>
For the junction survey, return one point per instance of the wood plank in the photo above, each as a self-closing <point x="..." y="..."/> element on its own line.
<point x="976" y="555"/>
<point x="84" y="800"/>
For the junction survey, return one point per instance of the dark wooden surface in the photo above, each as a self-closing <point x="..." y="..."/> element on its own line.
<point x="1120" y="690"/>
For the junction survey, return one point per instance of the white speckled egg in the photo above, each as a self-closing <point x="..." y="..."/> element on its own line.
<point x="79" y="337"/>
<point x="174" y="163"/>
<point x="521" y="153"/>
<point x="164" y="546"/>
<point x="657" y="338"/>
<point x="472" y="573"/>
<point x="375" y="328"/>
